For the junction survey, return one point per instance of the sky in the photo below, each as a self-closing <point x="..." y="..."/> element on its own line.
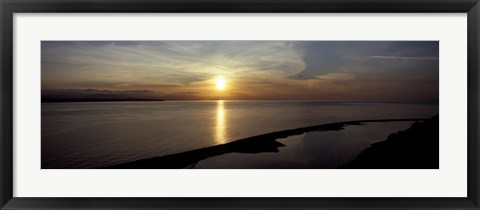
<point x="288" y="70"/>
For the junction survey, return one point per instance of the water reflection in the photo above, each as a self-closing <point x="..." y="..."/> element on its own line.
<point x="220" y="127"/>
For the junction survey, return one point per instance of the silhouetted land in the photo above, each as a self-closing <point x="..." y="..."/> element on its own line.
<point x="253" y="145"/>
<point x="94" y="95"/>
<point x="54" y="100"/>
<point x="415" y="148"/>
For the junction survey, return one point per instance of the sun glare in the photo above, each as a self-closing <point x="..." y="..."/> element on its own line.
<point x="220" y="83"/>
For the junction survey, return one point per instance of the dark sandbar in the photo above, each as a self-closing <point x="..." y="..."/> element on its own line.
<point x="253" y="145"/>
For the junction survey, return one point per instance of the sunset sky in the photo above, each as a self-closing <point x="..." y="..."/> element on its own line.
<point x="308" y="70"/>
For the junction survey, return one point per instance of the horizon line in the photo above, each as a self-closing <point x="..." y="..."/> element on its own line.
<point x="53" y="100"/>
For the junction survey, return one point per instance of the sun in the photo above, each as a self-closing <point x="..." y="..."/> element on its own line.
<point x="220" y="83"/>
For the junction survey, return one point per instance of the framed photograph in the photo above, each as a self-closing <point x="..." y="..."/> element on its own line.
<point x="239" y="104"/>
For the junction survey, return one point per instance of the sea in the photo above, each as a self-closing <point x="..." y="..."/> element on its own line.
<point x="89" y="135"/>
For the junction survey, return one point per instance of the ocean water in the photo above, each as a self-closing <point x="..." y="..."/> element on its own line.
<point x="96" y="134"/>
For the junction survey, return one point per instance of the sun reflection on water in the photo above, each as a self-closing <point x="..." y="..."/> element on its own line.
<point x="220" y="127"/>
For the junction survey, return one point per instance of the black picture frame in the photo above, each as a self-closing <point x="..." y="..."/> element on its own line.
<point x="9" y="7"/>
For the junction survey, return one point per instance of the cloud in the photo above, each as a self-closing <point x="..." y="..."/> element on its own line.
<point x="337" y="76"/>
<point x="62" y="94"/>
<point x="175" y="62"/>
<point x="325" y="57"/>
<point x="254" y="69"/>
<point x="402" y="57"/>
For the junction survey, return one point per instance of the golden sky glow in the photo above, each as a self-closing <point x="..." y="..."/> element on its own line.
<point x="220" y="83"/>
<point x="316" y="70"/>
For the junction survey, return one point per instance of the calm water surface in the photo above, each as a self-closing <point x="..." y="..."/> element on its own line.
<point x="87" y="135"/>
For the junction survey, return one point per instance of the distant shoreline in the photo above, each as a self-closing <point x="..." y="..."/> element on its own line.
<point x="43" y="100"/>
<point x="256" y="144"/>
<point x="99" y="100"/>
